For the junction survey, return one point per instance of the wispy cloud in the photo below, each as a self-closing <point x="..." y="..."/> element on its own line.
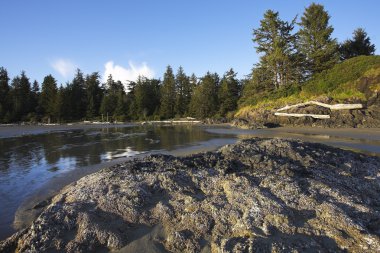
<point x="64" y="67"/>
<point x="129" y="73"/>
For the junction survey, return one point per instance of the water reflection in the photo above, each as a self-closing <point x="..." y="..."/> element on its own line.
<point x="28" y="162"/>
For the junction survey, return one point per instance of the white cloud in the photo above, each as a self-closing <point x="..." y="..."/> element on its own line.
<point x="64" y="67"/>
<point x="130" y="73"/>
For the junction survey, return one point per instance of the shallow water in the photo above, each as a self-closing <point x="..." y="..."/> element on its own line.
<point x="37" y="165"/>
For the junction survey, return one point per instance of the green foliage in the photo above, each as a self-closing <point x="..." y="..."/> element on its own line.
<point x="341" y="83"/>
<point x="228" y="93"/>
<point x="293" y="67"/>
<point x="320" y="51"/>
<point x="168" y="95"/>
<point x="183" y="92"/>
<point x="48" y="96"/>
<point x="279" y="60"/>
<point x="146" y="98"/>
<point x="20" y="96"/>
<point x="347" y="71"/>
<point x="94" y="95"/>
<point x="4" y="90"/>
<point x="360" y="44"/>
<point x="204" y="102"/>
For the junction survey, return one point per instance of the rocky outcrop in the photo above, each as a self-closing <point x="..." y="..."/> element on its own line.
<point x="360" y="118"/>
<point x="259" y="195"/>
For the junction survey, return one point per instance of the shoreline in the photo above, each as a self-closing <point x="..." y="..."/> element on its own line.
<point x="320" y="135"/>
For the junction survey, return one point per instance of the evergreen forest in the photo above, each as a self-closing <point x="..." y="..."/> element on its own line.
<point x="291" y="54"/>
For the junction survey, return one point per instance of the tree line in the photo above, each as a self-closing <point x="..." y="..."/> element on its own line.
<point x="288" y="58"/>
<point x="87" y="98"/>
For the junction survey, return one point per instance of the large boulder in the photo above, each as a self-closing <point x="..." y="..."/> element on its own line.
<point x="259" y="195"/>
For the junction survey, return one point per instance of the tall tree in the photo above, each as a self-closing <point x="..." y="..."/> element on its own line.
<point x="168" y="95"/>
<point x="360" y="44"/>
<point x="94" y="95"/>
<point x="183" y="88"/>
<point x="228" y="92"/>
<point x="121" y="106"/>
<point x="60" y="108"/>
<point x="277" y="46"/>
<point x="109" y="100"/>
<point x="21" y="97"/>
<point x="315" y="42"/>
<point x="77" y="96"/>
<point x="204" y="102"/>
<point x="4" y="89"/>
<point x="146" y="98"/>
<point x="35" y="100"/>
<point x="48" y="97"/>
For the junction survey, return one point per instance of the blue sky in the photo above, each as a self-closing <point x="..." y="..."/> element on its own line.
<point x="127" y="38"/>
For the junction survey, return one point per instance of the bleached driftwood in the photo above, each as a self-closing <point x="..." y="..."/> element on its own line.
<point x="171" y="122"/>
<point x="299" y="115"/>
<point x="331" y="107"/>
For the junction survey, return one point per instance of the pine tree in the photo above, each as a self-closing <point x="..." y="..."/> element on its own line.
<point x="75" y="94"/>
<point x="146" y="98"/>
<point x="204" y="102"/>
<point x="315" y="42"/>
<point x="60" y="110"/>
<point x="360" y="44"/>
<point x="121" y="107"/>
<point x="21" y="97"/>
<point x="168" y="95"/>
<point x="36" y="110"/>
<point x="277" y="46"/>
<point x="109" y="101"/>
<point x="48" y="97"/>
<point x="228" y="93"/>
<point x="4" y="90"/>
<point x="183" y="93"/>
<point x="94" y="95"/>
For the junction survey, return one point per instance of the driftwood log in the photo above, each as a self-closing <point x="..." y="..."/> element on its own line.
<point x="331" y="107"/>
<point x="299" y="115"/>
<point x="315" y="116"/>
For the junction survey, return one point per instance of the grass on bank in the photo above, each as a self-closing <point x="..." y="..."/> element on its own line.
<point x="344" y="82"/>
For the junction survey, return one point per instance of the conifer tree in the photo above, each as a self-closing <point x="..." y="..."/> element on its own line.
<point x="94" y="95"/>
<point x="109" y="100"/>
<point x="20" y="97"/>
<point x="146" y="98"/>
<point x="183" y="93"/>
<point x="48" y="97"/>
<point x="4" y="90"/>
<point x="59" y="106"/>
<point x="168" y="95"/>
<point x="35" y="100"/>
<point x="228" y="92"/>
<point x="78" y="96"/>
<point x="204" y="102"/>
<point x="315" y="42"/>
<point x="277" y="46"/>
<point x="360" y="44"/>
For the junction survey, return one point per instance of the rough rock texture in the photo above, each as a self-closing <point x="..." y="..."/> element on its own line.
<point x="259" y="195"/>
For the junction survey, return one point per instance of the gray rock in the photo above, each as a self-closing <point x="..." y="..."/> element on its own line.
<point x="259" y="195"/>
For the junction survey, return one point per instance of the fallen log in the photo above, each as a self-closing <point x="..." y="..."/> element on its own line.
<point x="331" y="107"/>
<point x="299" y="115"/>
